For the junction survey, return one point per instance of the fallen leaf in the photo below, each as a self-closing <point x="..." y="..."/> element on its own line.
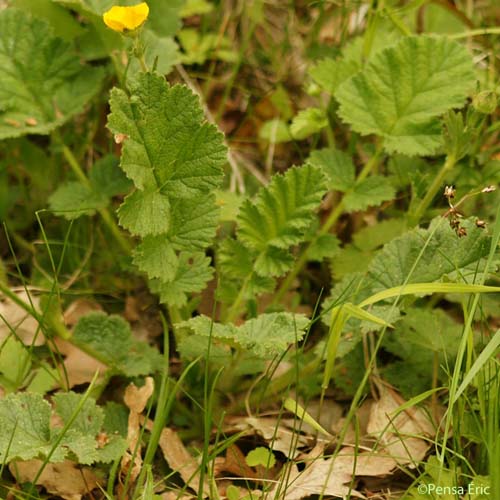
<point x="404" y="436"/>
<point x="77" y="309"/>
<point x="14" y="317"/>
<point x="319" y="477"/>
<point x="280" y="435"/>
<point x="136" y="399"/>
<point x="65" y="479"/>
<point x="180" y="460"/>
<point x="79" y="366"/>
<point x="234" y="463"/>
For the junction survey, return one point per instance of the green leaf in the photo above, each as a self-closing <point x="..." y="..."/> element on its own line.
<point x="308" y="122"/>
<point x="24" y="420"/>
<point x="369" y="192"/>
<point x="403" y="90"/>
<point x="107" y="179"/>
<point x="261" y="456"/>
<point x="145" y="213"/>
<point x="15" y="363"/>
<point x="194" y="223"/>
<point x="90" y="417"/>
<point x="283" y="210"/>
<point x="156" y="257"/>
<point x="42" y="83"/>
<point x="324" y="247"/>
<point x="266" y="336"/>
<point x="192" y="275"/>
<point x="371" y="237"/>
<point x="270" y="334"/>
<point x="60" y="20"/>
<point x="74" y="199"/>
<point x="330" y="73"/>
<point x="402" y="260"/>
<point x="167" y="145"/>
<point x="275" y="131"/>
<point x="109" y="339"/>
<point x="337" y="166"/>
<point x="108" y="336"/>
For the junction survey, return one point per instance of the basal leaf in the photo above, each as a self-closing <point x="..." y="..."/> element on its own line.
<point x="42" y="82"/>
<point x="74" y="199"/>
<point x="444" y="253"/>
<point x="337" y="166"/>
<point x="109" y="336"/>
<point x="282" y="211"/>
<point x="369" y="192"/>
<point x="145" y="213"/>
<point x="107" y="179"/>
<point x="266" y="336"/>
<point x="109" y="339"/>
<point x="403" y="90"/>
<point x="308" y="122"/>
<point x="269" y="335"/>
<point x="192" y="275"/>
<point x="194" y="223"/>
<point x="89" y="418"/>
<point x="330" y="73"/>
<point x="24" y="420"/>
<point x="273" y="262"/>
<point x="156" y="257"/>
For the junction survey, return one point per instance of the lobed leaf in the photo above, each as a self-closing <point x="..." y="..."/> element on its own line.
<point x="403" y="90"/>
<point x="42" y="82"/>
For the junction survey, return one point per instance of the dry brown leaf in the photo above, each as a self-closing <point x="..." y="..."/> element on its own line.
<point x="319" y="477"/>
<point x="65" y="479"/>
<point x="14" y="317"/>
<point x="79" y="308"/>
<point x="279" y="434"/>
<point x="180" y="460"/>
<point x="234" y="463"/>
<point x="172" y="495"/>
<point x="79" y="366"/>
<point x="405" y="437"/>
<point x="136" y="399"/>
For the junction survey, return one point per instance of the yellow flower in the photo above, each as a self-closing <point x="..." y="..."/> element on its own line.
<point x="126" y="18"/>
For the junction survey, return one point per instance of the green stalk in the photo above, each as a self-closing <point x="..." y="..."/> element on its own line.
<point x="328" y="224"/>
<point x="436" y="185"/>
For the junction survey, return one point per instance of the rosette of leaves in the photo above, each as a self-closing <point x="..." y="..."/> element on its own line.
<point x="175" y="160"/>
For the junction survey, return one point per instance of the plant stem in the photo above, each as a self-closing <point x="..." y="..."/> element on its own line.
<point x="233" y="311"/>
<point x="325" y="228"/>
<point x="104" y="212"/>
<point x="433" y="190"/>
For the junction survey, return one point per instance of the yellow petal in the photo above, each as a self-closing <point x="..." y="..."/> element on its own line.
<point x="126" y="18"/>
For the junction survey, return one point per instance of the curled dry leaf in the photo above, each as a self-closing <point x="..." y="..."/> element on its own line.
<point x="66" y="479"/>
<point x="404" y="436"/>
<point x="180" y="460"/>
<point x="14" y="317"/>
<point x="136" y="399"/>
